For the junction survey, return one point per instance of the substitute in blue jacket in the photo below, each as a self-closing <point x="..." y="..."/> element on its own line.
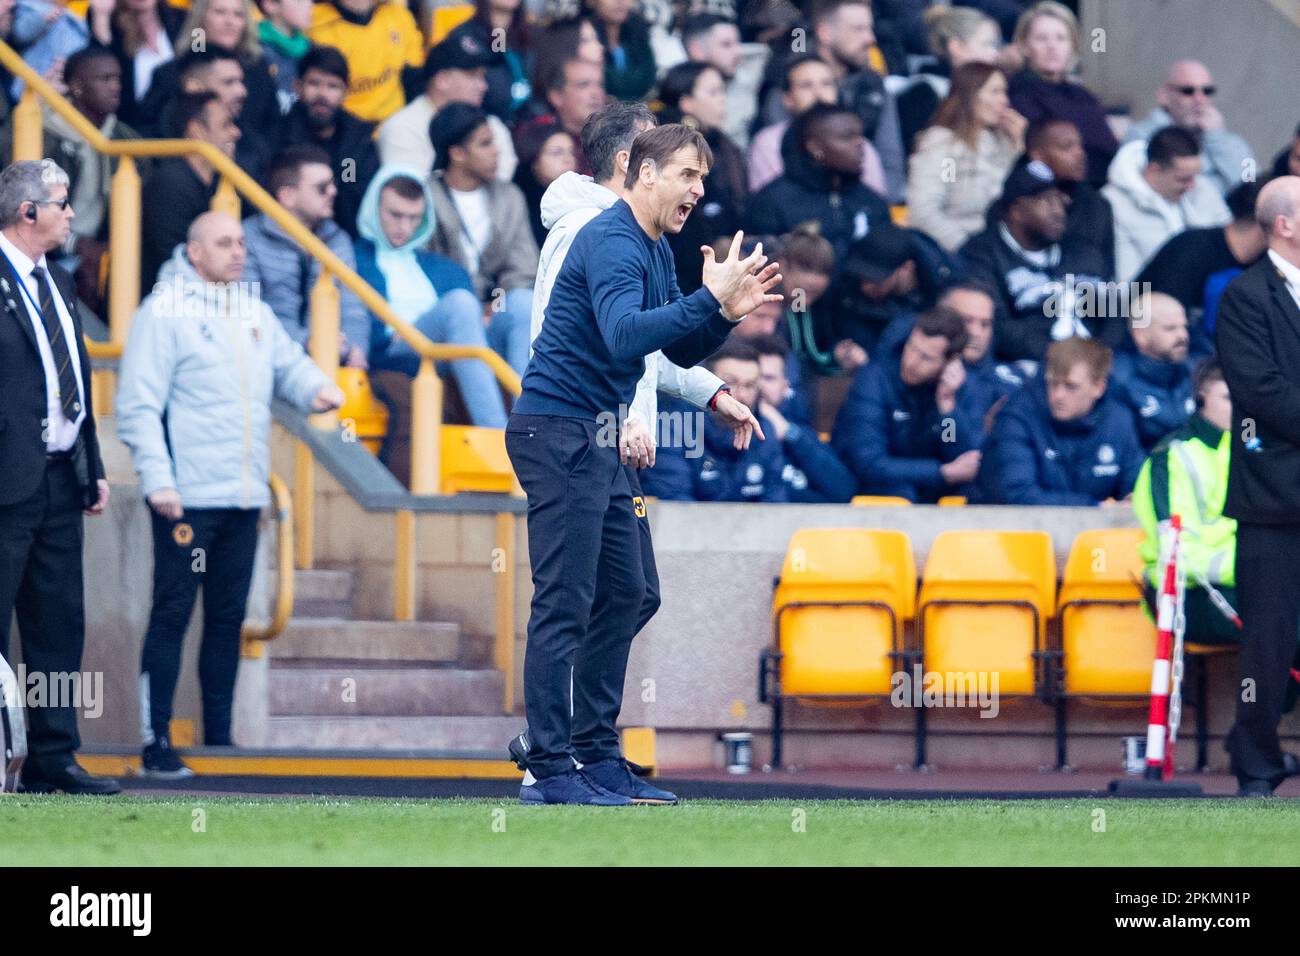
<point x="1063" y="441"/>
<point x="1154" y="377"/>
<point x="614" y="301"/>
<point x="427" y="290"/>
<point x="988" y="382"/>
<point x="901" y="429"/>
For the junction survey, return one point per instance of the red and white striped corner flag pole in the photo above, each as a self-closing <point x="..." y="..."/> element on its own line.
<point x="1161" y="669"/>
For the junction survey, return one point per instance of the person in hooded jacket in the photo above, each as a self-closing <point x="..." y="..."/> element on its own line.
<point x="200" y="368"/>
<point x="822" y="151"/>
<point x="1154" y="377"/>
<point x="1063" y="440"/>
<point x="425" y="289"/>
<point x="901" y="429"/>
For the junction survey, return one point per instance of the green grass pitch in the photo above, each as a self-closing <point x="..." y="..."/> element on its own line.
<point x="219" y="831"/>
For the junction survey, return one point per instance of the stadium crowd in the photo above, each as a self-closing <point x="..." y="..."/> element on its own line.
<point x="1024" y="325"/>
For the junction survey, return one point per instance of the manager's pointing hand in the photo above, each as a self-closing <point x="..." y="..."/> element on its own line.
<point x="741" y="285"/>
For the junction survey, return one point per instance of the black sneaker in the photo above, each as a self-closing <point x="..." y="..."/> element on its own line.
<point x="518" y="749"/>
<point x="572" y="786"/>
<point x="616" y="776"/>
<point x="160" y="762"/>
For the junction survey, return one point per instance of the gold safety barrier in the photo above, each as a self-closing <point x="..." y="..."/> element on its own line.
<point x="254" y="635"/>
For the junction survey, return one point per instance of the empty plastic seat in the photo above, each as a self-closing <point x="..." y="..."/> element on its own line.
<point x="985" y="600"/>
<point x="1107" y="642"/>
<point x="475" y="459"/>
<point x="839" y="608"/>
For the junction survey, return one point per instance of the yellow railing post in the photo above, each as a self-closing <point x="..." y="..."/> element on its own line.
<point x="124" y="240"/>
<point x="304" y="505"/>
<point x="426" y="423"/>
<point x="29" y="138"/>
<point x="323" y="343"/>
<point x="404" y="568"/>
<point x="226" y="199"/>
<point x="252" y="635"/>
<point x="504" y="652"/>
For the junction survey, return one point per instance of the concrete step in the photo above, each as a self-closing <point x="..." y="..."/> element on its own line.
<point x="338" y="690"/>
<point x="432" y="642"/>
<point x="322" y="592"/>
<point x="490" y="734"/>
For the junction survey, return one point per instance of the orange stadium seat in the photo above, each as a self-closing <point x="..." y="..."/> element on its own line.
<point x="984" y="604"/>
<point x="838" y="614"/>
<point x="1107" y="641"/>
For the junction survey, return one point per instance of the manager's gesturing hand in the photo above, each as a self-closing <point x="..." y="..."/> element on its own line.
<point x="741" y="285"/>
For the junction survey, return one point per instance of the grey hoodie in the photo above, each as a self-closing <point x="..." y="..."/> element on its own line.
<point x="568" y="204"/>
<point x="201" y="365"/>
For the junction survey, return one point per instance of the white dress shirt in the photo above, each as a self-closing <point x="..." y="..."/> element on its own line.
<point x="1290" y="272"/>
<point x="61" y="434"/>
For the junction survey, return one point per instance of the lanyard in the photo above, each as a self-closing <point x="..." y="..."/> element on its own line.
<point x="22" y="284"/>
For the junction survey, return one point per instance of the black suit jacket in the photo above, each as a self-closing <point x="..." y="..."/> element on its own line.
<point x="1258" y="334"/>
<point x="22" y="396"/>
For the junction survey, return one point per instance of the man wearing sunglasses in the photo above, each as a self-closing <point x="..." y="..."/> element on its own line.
<point x="1186" y="99"/>
<point x="49" y="454"/>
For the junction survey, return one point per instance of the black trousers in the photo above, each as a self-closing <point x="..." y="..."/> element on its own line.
<point x="594" y="587"/>
<point x="213" y="547"/>
<point x="41" y="580"/>
<point x="1268" y="593"/>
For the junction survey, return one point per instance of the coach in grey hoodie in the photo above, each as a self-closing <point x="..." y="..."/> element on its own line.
<point x="203" y="360"/>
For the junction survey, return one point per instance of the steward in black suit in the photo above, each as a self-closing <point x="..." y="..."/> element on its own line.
<point x="1258" y="333"/>
<point x="49" y="462"/>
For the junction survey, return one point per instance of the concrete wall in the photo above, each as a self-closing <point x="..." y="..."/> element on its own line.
<point x="1251" y="46"/>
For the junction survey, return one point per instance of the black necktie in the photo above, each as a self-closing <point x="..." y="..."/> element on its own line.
<point x="68" y="396"/>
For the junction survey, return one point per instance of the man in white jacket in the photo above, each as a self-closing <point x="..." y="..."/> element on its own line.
<point x="1156" y="190"/>
<point x="204" y="358"/>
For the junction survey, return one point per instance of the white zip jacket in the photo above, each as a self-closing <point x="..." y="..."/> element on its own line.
<point x="200" y="367"/>
<point x="568" y="204"/>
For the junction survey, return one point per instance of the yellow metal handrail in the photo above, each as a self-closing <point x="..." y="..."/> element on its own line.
<point x="250" y="631"/>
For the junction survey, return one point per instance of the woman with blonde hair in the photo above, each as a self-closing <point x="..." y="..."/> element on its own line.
<point x="961" y="161"/>
<point x="227" y="24"/>
<point x="957" y="36"/>
<point x="1048" y="37"/>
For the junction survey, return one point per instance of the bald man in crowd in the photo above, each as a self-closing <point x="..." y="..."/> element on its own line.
<point x="1186" y="98"/>
<point x="1154" y="377"/>
<point x="204" y="359"/>
<point x="1258" y="335"/>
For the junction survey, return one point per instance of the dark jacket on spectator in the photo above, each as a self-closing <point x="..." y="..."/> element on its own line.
<point x="353" y="141"/>
<point x="723" y="473"/>
<point x="260" y="113"/>
<point x="813" y="473"/>
<point x="1090" y="221"/>
<point x="1023" y="330"/>
<point x="507" y="74"/>
<point x="1159" y="394"/>
<point x="1259" y="347"/>
<point x="1037" y="99"/>
<point x="129" y="111"/>
<point x="804" y="192"/>
<point x="891" y="435"/>
<point x="1032" y="459"/>
<point x="181" y="198"/>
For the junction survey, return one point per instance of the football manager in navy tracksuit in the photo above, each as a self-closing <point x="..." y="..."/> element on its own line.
<point x="1062" y="440"/>
<point x="615" y="301"/>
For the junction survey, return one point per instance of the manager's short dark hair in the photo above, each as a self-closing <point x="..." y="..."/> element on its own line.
<point x="658" y="146"/>
<point x="1171" y="143"/>
<point x="610" y="129"/>
<point x="326" y="59"/>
